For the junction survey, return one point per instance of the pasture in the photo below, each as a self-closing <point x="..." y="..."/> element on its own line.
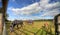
<point x="37" y="28"/>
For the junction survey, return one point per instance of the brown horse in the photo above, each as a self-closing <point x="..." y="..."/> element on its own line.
<point x="30" y="22"/>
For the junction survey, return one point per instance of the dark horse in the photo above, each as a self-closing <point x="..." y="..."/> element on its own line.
<point x="16" y="23"/>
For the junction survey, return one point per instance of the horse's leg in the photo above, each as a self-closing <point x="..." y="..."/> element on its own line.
<point x="22" y="25"/>
<point x="11" y="29"/>
<point x="17" y="26"/>
<point x="32" y="23"/>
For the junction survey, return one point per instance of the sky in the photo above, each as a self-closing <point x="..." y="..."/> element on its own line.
<point x="0" y="3"/>
<point x="32" y="9"/>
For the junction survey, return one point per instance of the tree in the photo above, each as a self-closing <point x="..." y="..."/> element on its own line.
<point x="6" y="16"/>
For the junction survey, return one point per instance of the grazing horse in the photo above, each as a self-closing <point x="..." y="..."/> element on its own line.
<point x="14" y="23"/>
<point x="30" y="22"/>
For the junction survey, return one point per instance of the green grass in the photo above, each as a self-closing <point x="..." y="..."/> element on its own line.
<point x="32" y="29"/>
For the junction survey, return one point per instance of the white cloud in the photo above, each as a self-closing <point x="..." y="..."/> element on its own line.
<point x="53" y="5"/>
<point x="44" y="5"/>
<point x="44" y="2"/>
<point x="51" y="13"/>
<point x="12" y="0"/>
<point x="11" y="19"/>
<point x="52" y="9"/>
<point x="0" y="0"/>
<point x="33" y="8"/>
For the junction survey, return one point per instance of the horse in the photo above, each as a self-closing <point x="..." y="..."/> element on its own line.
<point x="30" y="22"/>
<point x="16" y="23"/>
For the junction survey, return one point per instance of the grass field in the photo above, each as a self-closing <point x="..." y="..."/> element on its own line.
<point x="35" y="29"/>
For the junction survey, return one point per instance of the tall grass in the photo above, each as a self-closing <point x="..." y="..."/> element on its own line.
<point x="38" y="28"/>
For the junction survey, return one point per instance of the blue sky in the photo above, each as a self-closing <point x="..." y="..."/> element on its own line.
<point x="0" y="3"/>
<point x="32" y="9"/>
